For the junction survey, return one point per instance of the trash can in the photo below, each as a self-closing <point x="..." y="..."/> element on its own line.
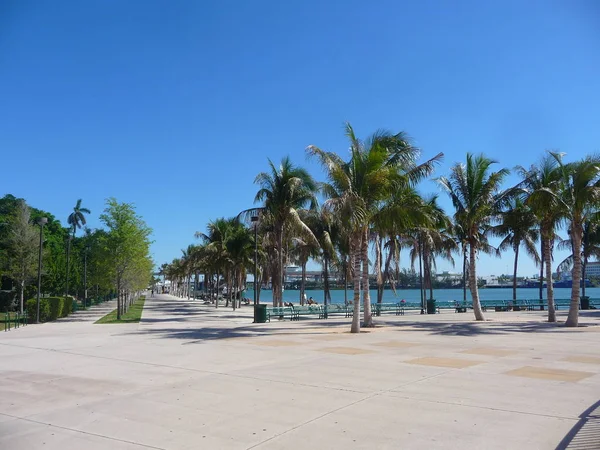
<point x="431" y="306"/>
<point x="585" y="302"/>
<point x="260" y="313"/>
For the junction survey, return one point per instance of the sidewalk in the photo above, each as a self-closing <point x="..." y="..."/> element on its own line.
<point x="189" y="377"/>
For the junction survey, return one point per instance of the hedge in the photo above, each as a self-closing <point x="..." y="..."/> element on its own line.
<point x="51" y="308"/>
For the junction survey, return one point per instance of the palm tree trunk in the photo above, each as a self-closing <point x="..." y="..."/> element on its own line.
<point x="573" y="317"/>
<point x="281" y="274"/>
<point x="379" y="268"/>
<point x="517" y="245"/>
<point x="234" y="290"/>
<point x="473" y="282"/>
<point x="347" y="262"/>
<point x="303" y="282"/>
<point x="549" y="286"/>
<point x="464" y="275"/>
<point x="421" y="295"/>
<point x="217" y="290"/>
<point x="368" y="318"/>
<point x="543" y="259"/>
<point x="326" y="291"/>
<point x="356" y="251"/>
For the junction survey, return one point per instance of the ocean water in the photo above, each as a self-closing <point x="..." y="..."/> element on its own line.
<point x="413" y="295"/>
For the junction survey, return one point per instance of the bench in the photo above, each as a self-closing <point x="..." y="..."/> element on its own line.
<point x="461" y="307"/>
<point x="310" y="310"/>
<point x="280" y="311"/>
<point x="411" y="307"/>
<point x="498" y="305"/>
<point x="378" y="308"/>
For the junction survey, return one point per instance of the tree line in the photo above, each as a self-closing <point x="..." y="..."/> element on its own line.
<point x="371" y="205"/>
<point x="112" y="260"/>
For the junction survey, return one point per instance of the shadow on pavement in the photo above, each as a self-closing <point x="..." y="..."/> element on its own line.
<point x="585" y="435"/>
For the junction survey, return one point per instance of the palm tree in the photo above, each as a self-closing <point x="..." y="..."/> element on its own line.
<point x="75" y="220"/>
<point x="476" y="196"/>
<point x="215" y="242"/>
<point x="518" y="227"/>
<point x="542" y="184"/>
<point x="590" y="247"/>
<point x="431" y="239"/>
<point x="324" y="229"/>
<point x="285" y="190"/>
<point x="240" y="250"/>
<point x="357" y="188"/>
<point x="580" y="195"/>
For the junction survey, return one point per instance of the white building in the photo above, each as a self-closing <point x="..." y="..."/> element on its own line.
<point x="592" y="269"/>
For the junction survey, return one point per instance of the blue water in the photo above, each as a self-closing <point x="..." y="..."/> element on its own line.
<point x="413" y="295"/>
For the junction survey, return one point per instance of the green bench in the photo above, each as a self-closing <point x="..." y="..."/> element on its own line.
<point x="279" y="311"/>
<point x="379" y="308"/>
<point x="310" y="310"/>
<point x="497" y="305"/>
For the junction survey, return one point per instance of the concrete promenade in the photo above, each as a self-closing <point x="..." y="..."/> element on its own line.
<point x="190" y="377"/>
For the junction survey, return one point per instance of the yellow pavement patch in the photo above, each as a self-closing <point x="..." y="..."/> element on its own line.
<point x="395" y="344"/>
<point x="488" y="351"/>
<point x="344" y="350"/>
<point x="583" y="359"/>
<point x="453" y="363"/>
<point x="273" y="343"/>
<point x="544" y="373"/>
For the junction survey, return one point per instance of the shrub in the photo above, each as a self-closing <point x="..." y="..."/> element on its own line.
<point x="32" y="309"/>
<point x="51" y="308"/>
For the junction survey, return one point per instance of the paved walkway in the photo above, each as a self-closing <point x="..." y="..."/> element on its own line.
<point x="190" y="377"/>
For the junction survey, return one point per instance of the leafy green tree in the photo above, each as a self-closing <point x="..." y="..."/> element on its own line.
<point x="477" y="197"/>
<point x="22" y="247"/>
<point x="127" y="248"/>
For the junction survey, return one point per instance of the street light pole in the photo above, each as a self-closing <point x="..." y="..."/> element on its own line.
<point x="41" y="222"/>
<point x="254" y="220"/>
<point x="85" y="293"/>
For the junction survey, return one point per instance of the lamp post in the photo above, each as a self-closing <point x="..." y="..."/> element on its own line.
<point x="41" y="222"/>
<point x="85" y="293"/>
<point x="254" y="220"/>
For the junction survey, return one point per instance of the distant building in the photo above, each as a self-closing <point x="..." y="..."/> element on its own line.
<point x="592" y="269"/>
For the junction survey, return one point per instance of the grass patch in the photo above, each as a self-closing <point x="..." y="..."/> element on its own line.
<point x="132" y="316"/>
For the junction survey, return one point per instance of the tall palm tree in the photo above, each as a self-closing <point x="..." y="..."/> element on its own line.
<point x="580" y="195"/>
<point x="283" y="191"/>
<point x="517" y="227"/>
<point x="358" y="187"/>
<point x="476" y="196"/>
<point x="542" y="184"/>
<point x="75" y="220"/>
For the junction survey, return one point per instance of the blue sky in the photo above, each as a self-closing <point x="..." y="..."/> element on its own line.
<point x="176" y="106"/>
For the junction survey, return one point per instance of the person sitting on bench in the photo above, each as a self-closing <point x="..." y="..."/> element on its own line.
<point x="289" y="304"/>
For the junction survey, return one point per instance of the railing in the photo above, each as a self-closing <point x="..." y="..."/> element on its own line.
<point x="15" y="320"/>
